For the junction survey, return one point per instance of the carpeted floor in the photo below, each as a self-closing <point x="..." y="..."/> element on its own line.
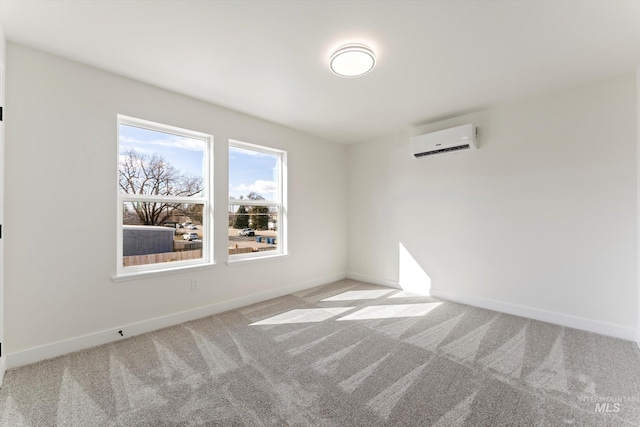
<point x="344" y="354"/>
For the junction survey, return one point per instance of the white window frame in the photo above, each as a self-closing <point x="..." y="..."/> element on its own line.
<point x="206" y="200"/>
<point x="280" y="203"/>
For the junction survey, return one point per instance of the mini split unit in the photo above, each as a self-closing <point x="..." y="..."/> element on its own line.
<point x="445" y="141"/>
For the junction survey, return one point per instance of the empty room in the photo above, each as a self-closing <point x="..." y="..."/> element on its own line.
<point x="319" y="213"/>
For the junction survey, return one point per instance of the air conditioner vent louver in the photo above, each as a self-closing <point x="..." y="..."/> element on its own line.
<point x="444" y="141"/>
<point x="443" y="150"/>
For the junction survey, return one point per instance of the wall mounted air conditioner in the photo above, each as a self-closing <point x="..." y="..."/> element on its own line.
<point x="445" y="141"/>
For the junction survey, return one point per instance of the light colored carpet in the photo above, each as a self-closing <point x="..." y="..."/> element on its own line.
<point x="344" y="354"/>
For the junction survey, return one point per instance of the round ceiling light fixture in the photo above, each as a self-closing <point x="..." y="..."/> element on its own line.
<point x="352" y="60"/>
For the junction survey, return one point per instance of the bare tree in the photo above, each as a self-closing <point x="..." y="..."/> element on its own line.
<point x="254" y="196"/>
<point x="152" y="175"/>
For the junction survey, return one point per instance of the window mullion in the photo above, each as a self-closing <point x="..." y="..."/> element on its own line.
<point x="249" y="202"/>
<point x="161" y="199"/>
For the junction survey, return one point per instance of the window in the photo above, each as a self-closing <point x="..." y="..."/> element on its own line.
<point x="164" y="197"/>
<point x="257" y="202"/>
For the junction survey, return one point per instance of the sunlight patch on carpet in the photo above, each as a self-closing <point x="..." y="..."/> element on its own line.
<point x="304" y="315"/>
<point x="359" y="295"/>
<point x="391" y="311"/>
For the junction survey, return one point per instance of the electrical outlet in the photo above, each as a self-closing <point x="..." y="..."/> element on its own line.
<point x="195" y="284"/>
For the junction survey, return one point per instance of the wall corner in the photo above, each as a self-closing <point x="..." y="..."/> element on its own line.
<point x="638" y="204"/>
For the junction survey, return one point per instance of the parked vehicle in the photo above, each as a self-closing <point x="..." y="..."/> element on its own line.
<point x="190" y="236"/>
<point x="193" y="227"/>
<point x="247" y="232"/>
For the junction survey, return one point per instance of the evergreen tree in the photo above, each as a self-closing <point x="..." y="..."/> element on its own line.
<point x="259" y="217"/>
<point x="241" y="219"/>
<point x="259" y="214"/>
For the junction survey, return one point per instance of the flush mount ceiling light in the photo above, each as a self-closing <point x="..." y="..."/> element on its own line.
<point x="352" y="60"/>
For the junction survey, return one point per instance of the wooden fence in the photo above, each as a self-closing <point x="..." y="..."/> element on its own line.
<point x="179" y="246"/>
<point x="174" y="256"/>
<point x="233" y="251"/>
<point x="159" y="258"/>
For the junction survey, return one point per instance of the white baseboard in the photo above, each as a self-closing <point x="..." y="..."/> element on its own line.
<point x="36" y="354"/>
<point x="603" y="328"/>
<point x="374" y="280"/>
<point x="598" y="327"/>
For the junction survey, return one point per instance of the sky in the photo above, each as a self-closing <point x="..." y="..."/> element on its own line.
<point x="252" y="171"/>
<point x="248" y="170"/>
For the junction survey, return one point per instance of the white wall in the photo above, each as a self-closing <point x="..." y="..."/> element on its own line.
<point x="638" y="195"/>
<point x="61" y="170"/>
<point x="541" y="221"/>
<point x="3" y="358"/>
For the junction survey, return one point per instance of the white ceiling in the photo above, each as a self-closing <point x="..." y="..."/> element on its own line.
<point x="436" y="59"/>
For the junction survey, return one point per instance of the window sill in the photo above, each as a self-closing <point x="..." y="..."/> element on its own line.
<point x="251" y="260"/>
<point x="164" y="272"/>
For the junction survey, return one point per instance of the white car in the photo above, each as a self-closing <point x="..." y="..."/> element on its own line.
<point x="190" y="236"/>
<point x="246" y="232"/>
